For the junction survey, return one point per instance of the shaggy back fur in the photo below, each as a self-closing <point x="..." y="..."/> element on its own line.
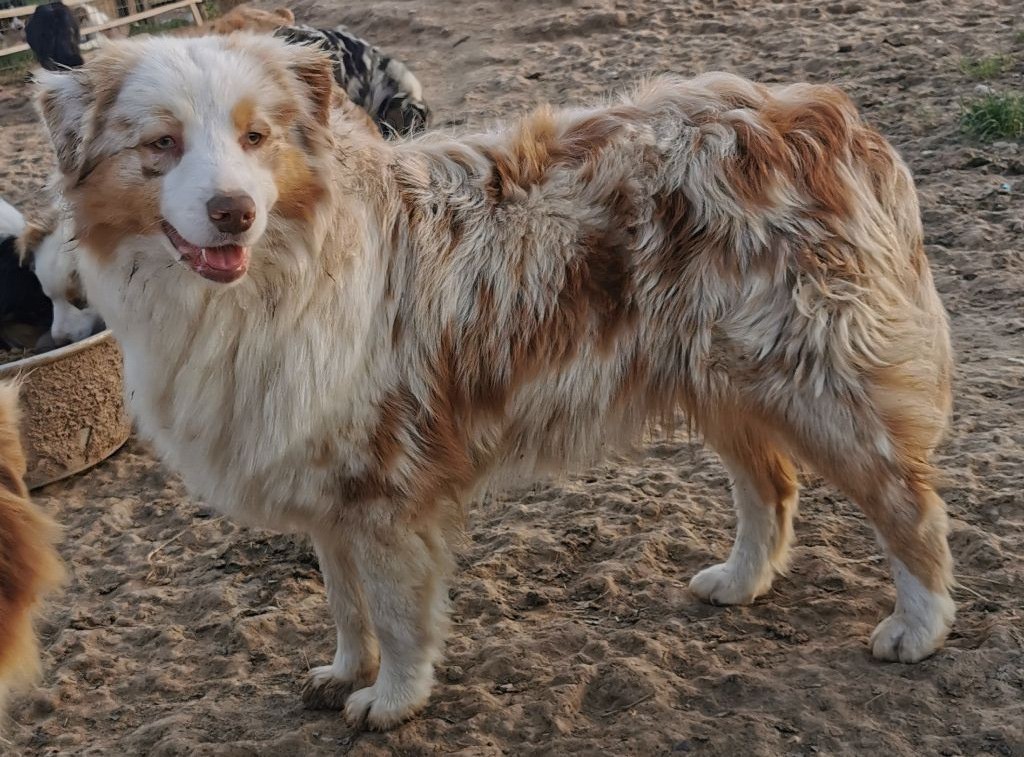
<point x="53" y="34"/>
<point x="29" y="565"/>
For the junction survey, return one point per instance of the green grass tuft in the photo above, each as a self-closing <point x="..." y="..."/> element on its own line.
<point x="988" y="67"/>
<point x="995" y="116"/>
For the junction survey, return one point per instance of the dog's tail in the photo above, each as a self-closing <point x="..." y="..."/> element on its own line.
<point x="29" y="564"/>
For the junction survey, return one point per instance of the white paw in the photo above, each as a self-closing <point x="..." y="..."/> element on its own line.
<point x="381" y="707"/>
<point x="720" y="585"/>
<point x="904" y="638"/>
<point x="325" y="689"/>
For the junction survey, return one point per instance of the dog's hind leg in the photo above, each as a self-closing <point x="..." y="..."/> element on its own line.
<point x="877" y="449"/>
<point x="910" y="521"/>
<point x="355" y="659"/>
<point x="764" y="491"/>
<point x="404" y="571"/>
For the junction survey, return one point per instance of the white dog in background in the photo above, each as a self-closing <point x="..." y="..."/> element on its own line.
<point x="48" y="245"/>
<point x="12" y="222"/>
<point x="329" y="333"/>
<point x="90" y="17"/>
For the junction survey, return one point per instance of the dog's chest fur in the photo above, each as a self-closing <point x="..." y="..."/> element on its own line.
<point x="241" y="389"/>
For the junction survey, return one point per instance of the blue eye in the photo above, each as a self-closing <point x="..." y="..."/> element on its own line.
<point x="164" y="143"/>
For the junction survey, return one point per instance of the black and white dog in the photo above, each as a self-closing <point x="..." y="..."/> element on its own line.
<point x="53" y="34"/>
<point x="26" y="313"/>
<point x="383" y="86"/>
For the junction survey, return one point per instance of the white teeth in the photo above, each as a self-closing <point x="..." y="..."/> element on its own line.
<point x="202" y="254"/>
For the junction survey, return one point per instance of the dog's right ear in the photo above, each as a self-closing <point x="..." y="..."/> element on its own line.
<point x="314" y="70"/>
<point x="63" y="99"/>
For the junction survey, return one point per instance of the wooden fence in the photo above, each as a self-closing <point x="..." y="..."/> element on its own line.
<point x="111" y="16"/>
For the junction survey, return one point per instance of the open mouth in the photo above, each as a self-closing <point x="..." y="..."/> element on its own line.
<point x="222" y="264"/>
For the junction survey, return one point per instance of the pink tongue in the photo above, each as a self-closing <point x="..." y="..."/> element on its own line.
<point x="226" y="258"/>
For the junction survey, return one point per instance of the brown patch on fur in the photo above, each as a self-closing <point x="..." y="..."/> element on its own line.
<point x="871" y="149"/>
<point x="299" y="190"/>
<point x="685" y="241"/>
<point x="242" y="115"/>
<point x="441" y="468"/>
<point x="600" y="282"/>
<point x="801" y="140"/>
<point x="584" y="139"/>
<point x="396" y="332"/>
<point x="114" y="201"/>
<point x="910" y="516"/>
<point x="369" y="487"/>
<point x="526" y="158"/>
<point x="759" y="154"/>
<point x="745" y="442"/>
<point x="322" y="453"/>
<point x="315" y="71"/>
<point x="829" y="261"/>
<point x="538" y="145"/>
<point x="393" y="411"/>
<point x="29" y="564"/>
<point x="594" y="306"/>
<point x="74" y="294"/>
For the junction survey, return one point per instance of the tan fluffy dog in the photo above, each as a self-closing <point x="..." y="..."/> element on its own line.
<point x="29" y="565"/>
<point x="238" y="19"/>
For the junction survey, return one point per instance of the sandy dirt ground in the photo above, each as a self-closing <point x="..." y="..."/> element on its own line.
<point x="183" y="634"/>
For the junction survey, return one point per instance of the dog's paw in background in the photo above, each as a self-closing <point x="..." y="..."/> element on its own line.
<point x="29" y="565"/>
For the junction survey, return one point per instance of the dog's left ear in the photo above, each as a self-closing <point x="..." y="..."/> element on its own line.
<point x="63" y="99"/>
<point x="315" y="71"/>
<point x="285" y="15"/>
<point x="36" y="230"/>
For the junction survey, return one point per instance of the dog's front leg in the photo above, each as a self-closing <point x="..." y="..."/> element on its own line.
<point x="355" y="660"/>
<point x="404" y="570"/>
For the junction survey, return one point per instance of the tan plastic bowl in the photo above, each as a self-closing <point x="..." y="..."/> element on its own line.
<point x="72" y="407"/>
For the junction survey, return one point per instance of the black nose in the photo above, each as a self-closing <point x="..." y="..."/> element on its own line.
<point x="232" y="213"/>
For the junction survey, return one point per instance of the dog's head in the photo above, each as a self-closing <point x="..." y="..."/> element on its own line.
<point x="189" y="147"/>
